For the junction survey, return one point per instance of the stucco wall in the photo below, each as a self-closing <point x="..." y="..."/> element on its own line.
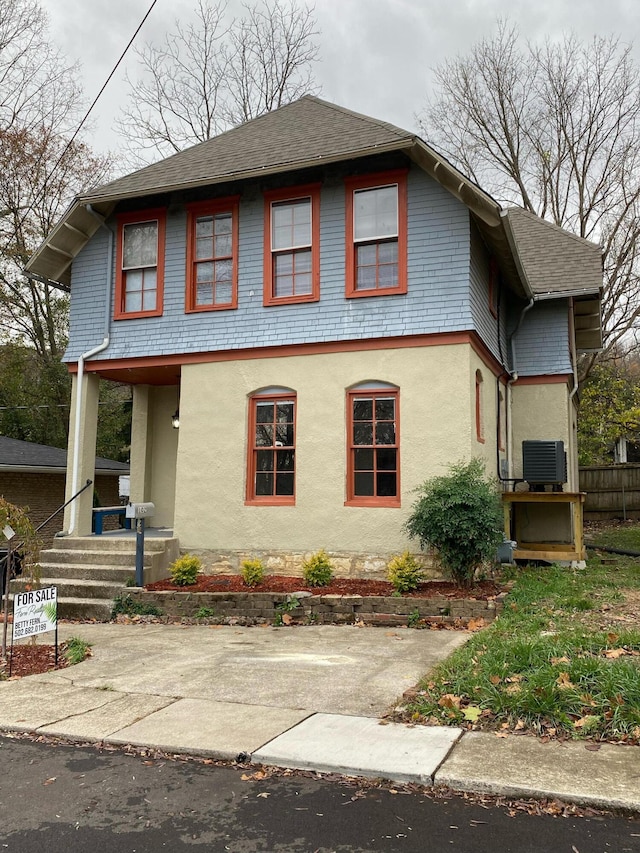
<point x="542" y="411"/>
<point x="436" y="429"/>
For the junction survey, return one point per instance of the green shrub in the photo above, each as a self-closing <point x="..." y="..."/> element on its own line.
<point x="76" y="650"/>
<point x="204" y="613"/>
<point x="405" y="573"/>
<point x="317" y="570"/>
<point x="459" y="514"/>
<point x="252" y="572"/>
<point x="125" y="605"/>
<point x="184" y="572"/>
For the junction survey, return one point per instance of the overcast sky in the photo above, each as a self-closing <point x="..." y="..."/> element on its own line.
<point x="376" y="55"/>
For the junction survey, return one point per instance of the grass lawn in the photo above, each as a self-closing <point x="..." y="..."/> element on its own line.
<point x="562" y="660"/>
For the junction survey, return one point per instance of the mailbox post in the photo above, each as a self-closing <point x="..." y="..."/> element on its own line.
<point x="139" y="512"/>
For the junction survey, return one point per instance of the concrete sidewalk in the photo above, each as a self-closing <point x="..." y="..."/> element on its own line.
<point x="307" y="698"/>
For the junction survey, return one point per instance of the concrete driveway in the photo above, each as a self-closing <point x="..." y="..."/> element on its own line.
<point x="330" y="669"/>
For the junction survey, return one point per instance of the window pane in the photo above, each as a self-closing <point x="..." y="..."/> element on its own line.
<point x="302" y="262"/>
<point x="388" y="252"/>
<point x="284" y="460"/>
<point x="204" y="226"/>
<point x="385" y="433"/>
<point x="204" y="294"/>
<point x="284" y="286"/>
<point x="363" y="409"/>
<point x="367" y="254"/>
<point x="264" y="484"/>
<point x="264" y="435"/>
<point x="291" y="224"/>
<point x="366" y="279"/>
<point x="385" y="485"/>
<point x="302" y="284"/>
<point x="264" y="460"/>
<point x="223" y="246"/>
<point x="388" y="275"/>
<point x="385" y="409"/>
<point x="363" y="460"/>
<point x="223" y="270"/>
<point x="140" y="247"/>
<point x="284" y="484"/>
<point x="204" y="272"/>
<point x="223" y="294"/>
<point x="363" y="485"/>
<point x="264" y="413"/>
<point x="204" y="247"/>
<point x="386" y="460"/>
<point x="284" y="412"/>
<point x="284" y="435"/>
<point x="133" y="301"/>
<point x="283" y="264"/>
<point x="223" y="223"/>
<point x="133" y="281"/>
<point x="376" y="212"/>
<point x="362" y="433"/>
<point x="149" y="300"/>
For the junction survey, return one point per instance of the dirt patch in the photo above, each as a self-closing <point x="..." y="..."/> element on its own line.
<point x="621" y="615"/>
<point x="32" y="660"/>
<point x="338" y="586"/>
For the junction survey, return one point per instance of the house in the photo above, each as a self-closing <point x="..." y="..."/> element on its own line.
<point x="335" y="313"/>
<point x="33" y="475"/>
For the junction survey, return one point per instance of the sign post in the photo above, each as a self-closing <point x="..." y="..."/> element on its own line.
<point x="8" y="532"/>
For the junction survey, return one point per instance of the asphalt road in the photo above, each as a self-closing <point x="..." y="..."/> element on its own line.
<point x="57" y="797"/>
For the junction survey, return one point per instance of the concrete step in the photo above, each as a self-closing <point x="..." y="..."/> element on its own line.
<point x="76" y="588"/>
<point x="111" y="543"/>
<point x="113" y="574"/>
<point x="85" y="608"/>
<point x="59" y="556"/>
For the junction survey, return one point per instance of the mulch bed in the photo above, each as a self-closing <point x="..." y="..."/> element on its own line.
<point x="29" y="659"/>
<point x="338" y="586"/>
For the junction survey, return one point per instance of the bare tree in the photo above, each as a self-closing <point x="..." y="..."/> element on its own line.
<point x="553" y="128"/>
<point x="214" y="74"/>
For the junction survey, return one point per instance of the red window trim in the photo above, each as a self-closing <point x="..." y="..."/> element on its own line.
<point x="208" y="208"/>
<point x="396" y="176"/>
<point x="292" y="194"/>
<point x="373" y="501"/>
<point x="160" y="215"/>
<point x="479" y="409"/>
<point x="268" y="500"/>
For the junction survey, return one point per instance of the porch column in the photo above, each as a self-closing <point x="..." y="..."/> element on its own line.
<point x="141" y="443"/>
<point x="86" y="456"/>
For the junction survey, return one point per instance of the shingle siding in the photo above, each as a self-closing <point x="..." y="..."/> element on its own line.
<point x="542" y="342"/>
<point x="437" y="299"/>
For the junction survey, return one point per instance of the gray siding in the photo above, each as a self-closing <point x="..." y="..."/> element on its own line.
<point x="484" y="322"/>
<point x="438" y="297"/>
<point x="542" y="342"/>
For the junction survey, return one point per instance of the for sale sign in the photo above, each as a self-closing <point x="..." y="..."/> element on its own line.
<point x="35" y="612"/>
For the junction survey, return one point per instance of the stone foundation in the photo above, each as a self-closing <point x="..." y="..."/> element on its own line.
<point x="261" y="607"/>
<point x="288" y="564"/>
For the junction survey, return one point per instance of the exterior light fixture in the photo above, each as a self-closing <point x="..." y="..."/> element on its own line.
<point x="175" y="419"/>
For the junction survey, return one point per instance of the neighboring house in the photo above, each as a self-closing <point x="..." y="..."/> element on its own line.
<point x="336" y="312"/>
<point x="33" y="475"/>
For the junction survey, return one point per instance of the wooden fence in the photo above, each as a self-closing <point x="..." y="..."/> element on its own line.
<point x="613" y="491"/>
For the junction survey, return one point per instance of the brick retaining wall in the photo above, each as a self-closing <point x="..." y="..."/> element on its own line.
<point x="254" y="607"/>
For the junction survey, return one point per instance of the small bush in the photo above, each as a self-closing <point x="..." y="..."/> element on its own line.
<point x="317" y="570"/>
<point x="184" y="572"/>
<point x="459" y="514"/>
<point x="76" y="650"/>
<point x="252" y="572"/>
<point x="125" y="605"/>
<point x="205" y="613"/>
<point x="405" y="573"/>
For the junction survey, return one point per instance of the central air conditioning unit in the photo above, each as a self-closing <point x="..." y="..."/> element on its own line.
<point x="544" y="463"/>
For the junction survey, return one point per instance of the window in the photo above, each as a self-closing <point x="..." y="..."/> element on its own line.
<point x="140" y="264"/>
<point x="292" y="245"/>
<point x="376" y="234"/>
<point x="212" y="255"/>
<point x="479" y="408"/>
<point x="373" y="470"/>
<point x="271" y="464"/>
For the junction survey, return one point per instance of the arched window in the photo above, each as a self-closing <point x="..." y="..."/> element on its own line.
<point x="271" y="447"/>
<point x="373" y="445"/>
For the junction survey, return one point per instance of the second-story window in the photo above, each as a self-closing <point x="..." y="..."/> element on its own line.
<point x="292" y="245"/>
<point x="376" y="234"/>
<point x="140" y="264"/>
<point x="212" y="255"/>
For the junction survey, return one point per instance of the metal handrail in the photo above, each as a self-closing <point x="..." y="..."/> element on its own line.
<point x="47" y="520"/>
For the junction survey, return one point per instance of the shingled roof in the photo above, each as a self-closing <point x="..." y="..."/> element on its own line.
<point x="16" y="455"/>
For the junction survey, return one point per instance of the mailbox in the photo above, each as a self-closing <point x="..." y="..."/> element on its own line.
<point x="141" y="510"/>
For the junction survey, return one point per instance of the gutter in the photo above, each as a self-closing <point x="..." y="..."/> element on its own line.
<point x="75" y="469"/>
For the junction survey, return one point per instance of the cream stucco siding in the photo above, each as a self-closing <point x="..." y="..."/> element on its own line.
<point x="543" y="411"/>
<point x="436" y="429"/>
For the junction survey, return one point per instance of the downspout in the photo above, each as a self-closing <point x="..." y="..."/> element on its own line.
<point x="75" y="469"/>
